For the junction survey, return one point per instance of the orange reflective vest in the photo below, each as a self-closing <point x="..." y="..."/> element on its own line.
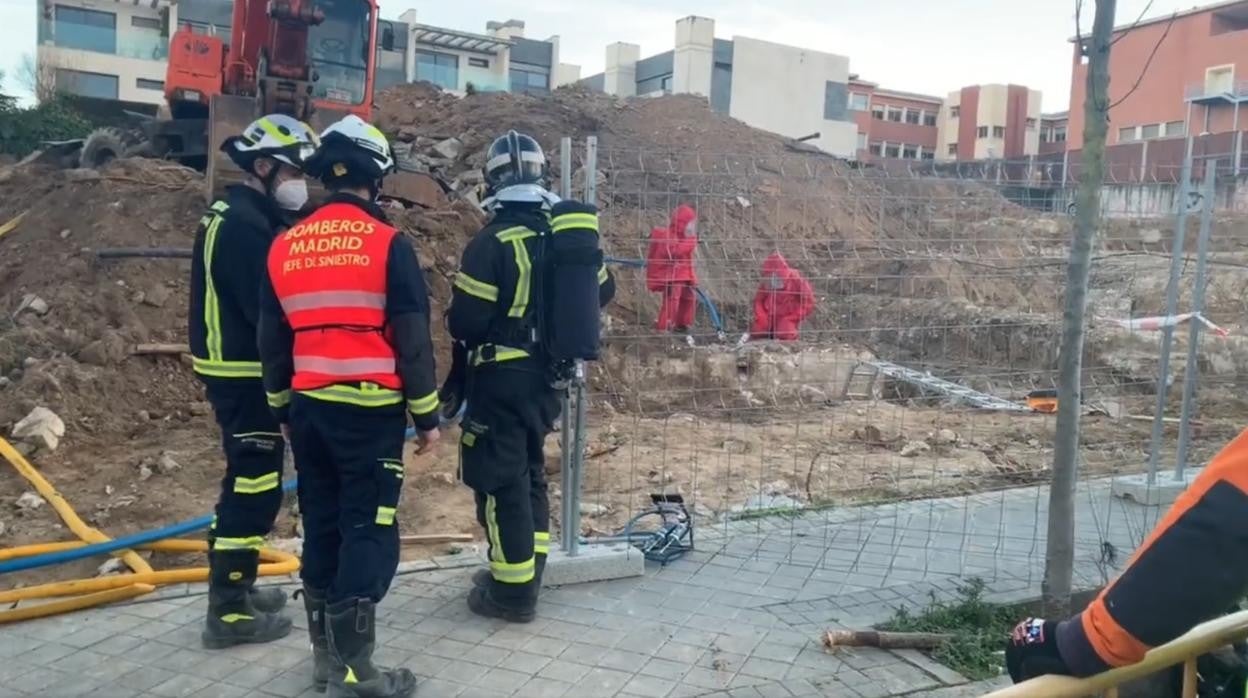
<point x="329" y="273"/>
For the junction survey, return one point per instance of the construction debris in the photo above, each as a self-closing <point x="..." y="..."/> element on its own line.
<point x="833" y="639"/>
<point x="29" y="501"/>
<point x="42" y="428"/>
<point x="33" y="303"/>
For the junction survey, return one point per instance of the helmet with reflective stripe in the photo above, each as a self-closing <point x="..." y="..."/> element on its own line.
<point x="512" y="160"/>
<point x="278" y="136"/>
<point x="351" y="149"/>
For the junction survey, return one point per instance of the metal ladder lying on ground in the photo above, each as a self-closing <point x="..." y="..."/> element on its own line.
<point x="928" y="382"/>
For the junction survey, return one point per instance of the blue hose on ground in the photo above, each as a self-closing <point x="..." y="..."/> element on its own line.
<point x="716" y="321"/>
<point x="133" y="540"/>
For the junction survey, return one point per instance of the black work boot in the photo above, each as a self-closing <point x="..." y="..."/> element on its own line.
<point x="232" y="618"/>
<point x="514" y="603"/>
<point x="482" y="577"/>
<point x="351" y="627"/>
<point x="267" y="600"/>
<point x="323" y="662"/>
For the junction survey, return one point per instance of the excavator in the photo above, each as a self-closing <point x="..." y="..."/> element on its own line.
<point x="311" y="59"/>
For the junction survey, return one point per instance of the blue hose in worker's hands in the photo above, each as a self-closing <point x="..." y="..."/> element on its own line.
<point x="716" y="321"/>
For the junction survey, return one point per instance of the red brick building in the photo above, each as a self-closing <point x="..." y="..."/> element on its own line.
<point x="984" y="122"/>
<point x="893" y="124"/>
<point x="1195" y="84"/>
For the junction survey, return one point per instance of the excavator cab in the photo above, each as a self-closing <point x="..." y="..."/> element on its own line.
<point x="315" y="61"/>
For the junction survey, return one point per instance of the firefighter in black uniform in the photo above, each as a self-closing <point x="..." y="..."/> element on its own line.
<point x="511" y="404"/>
<point x="228" y="264"/>
<point x="344" y="340"/>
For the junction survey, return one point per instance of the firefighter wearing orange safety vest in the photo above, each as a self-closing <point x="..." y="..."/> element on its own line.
<point x="346" y="351"/>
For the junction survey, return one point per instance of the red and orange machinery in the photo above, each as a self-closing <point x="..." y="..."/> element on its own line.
<point x="312" y="59"/>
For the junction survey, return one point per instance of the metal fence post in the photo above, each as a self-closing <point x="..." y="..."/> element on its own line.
<point x="1198" y="306"/>
<point x="1172" y="299"/>
<point x="574" y="439"/>
<point x="566" y="437"/>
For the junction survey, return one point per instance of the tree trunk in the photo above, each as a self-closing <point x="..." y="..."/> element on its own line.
<point x="1060" y="554"/>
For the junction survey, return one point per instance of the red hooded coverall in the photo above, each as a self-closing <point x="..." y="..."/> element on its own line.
<point x="783" y="301"/>
<point x="669" y="269"/>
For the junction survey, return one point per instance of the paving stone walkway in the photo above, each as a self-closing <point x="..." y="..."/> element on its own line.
<point x="739" y="617"/>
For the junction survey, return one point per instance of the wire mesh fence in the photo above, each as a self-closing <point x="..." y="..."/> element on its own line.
<point x="905" y="431"/>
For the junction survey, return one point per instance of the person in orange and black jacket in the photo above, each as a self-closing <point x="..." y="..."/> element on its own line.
<point x="347" y="355"/>
<point x="226" y="268"/>
<point x="1191" y="568"/>
<point x="511" y="404"/>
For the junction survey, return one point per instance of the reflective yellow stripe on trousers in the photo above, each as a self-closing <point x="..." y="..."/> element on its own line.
<point x="500" y="569"/>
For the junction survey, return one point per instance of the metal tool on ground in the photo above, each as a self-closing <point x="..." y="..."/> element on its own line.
<point x="931" y="384"/>
<point x="663" y="533"/>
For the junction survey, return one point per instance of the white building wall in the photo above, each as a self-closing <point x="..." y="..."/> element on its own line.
<point x="1031" y="141"/>
<point x="142" y="53"/>
<point x="947" y="126"/>
<point x="620" y="76"/>
<point x="781" y="89"/>
<point x="693" y="58"/>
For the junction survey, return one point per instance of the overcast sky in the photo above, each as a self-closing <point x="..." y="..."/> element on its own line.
<point x="911" y="45"/>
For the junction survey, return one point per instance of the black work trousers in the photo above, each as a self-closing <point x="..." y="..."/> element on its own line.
<point x="251" y="491"/>
<point x="350" y="465"/>
<point x="511" y="409"/>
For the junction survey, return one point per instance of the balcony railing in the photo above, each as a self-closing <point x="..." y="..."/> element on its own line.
<point x="1236" y="92"/>
<point x="1199" y="640"/>
<point x="483" y="80"/>
<point x="104" y="40"/>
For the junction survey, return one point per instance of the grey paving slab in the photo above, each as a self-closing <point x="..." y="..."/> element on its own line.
<point x="739" y="616"/>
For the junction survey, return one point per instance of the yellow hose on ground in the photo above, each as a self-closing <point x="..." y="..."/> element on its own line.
<point x="279" y="563"/>
<point x="75" y="604"/>
<point x="62" y="507"/>
<point x="89" y="593"/>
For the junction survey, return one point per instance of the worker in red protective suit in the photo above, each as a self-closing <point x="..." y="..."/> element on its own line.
<point x="783" y="301"/>
<point x="669" y="269"/>
<point x="1192" y="567"/>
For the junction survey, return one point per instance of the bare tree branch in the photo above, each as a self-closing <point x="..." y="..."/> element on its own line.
<point x="1147" y="63"/>
<point x="37" y="79"/>
<point x="1134" y="24"/>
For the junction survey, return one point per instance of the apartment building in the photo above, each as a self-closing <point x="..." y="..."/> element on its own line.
<point x="989" y="121"/>
<point x="893" y="124"/>
<point x="1195" y="83"/>
<point x="104" y="48"/>
<point x="1053" y="132"/>
<point x="114" y="49"/>
<point x="789" y="90"/>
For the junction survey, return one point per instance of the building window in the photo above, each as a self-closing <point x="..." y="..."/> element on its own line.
<point x="954" y="111"/>
<point x="929" y="154"/>
<point x="1218" y="80"/>
<point x="862" y="141"/>
<point x="877" y="112"/>
<point x="1150" y="131"/>
<point x="145" y="84"/>
<point x="145" y="23"/>
<point x="894" y="114"/>
<point x="1175" y="128"/>
<point x="1031" y="124"/>
<point x="892" y="150"/>
<point x="1045" y="135"/>
<point x="87" y="30"/>
<point x="524" y="79"/>
<point x="1059" y="134"/>
<point x="982" y="132"/>
<point x="910" y="152"/>
<point x="86" y="84"/>
<point x="913" y="116"/>
<point x="857" y="101"/>
<point x="998" y="132"/>
<point x="479" y="62"/>
<point x="441" y="69"/>
<point x="953" y="149"/>
<point x="929" y="118"/>
<point x="1125" y="134"/>
<point x="875" y="149"/>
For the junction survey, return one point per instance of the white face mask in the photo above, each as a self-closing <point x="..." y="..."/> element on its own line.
<point x="292" y="194"/>
<point x="775" y="282"/>
<point x="691" y="230"/>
